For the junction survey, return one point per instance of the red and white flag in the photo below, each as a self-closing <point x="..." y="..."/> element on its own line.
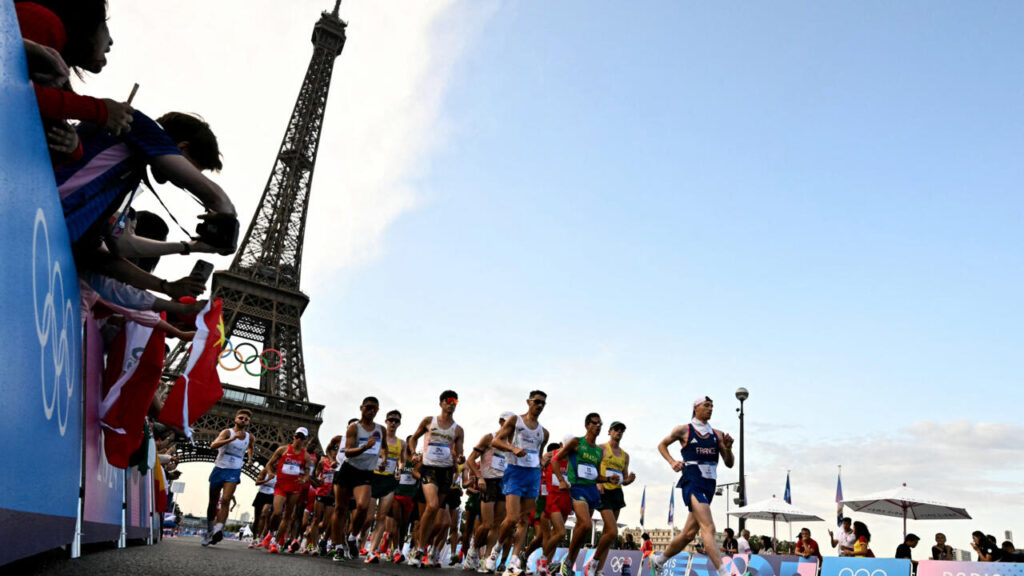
<point x="198" y="388"/>
<point x="134" y="364"/>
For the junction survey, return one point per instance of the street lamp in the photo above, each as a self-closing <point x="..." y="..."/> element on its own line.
<point x="741" y="395"/>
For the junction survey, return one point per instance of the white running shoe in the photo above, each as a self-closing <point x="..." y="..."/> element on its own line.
<point x="512" y="567"/>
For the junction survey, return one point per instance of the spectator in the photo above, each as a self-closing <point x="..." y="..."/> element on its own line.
<point x="729" y="544"/>
<point x="862" y="546"/>
<point x="986" y="549"/>
<point x="807" y="547"/>
<point x="941" y="550"/>
<point x="647" y="547"/>
<point x="1010" y="553"/>
<point x="178" y="152"/>
<point x="743" y="543"/>
<point x="846" y="538"/>
<point x="629" y="544"/>
<point x="904" y="550"/>
<point x="767" y="545"/>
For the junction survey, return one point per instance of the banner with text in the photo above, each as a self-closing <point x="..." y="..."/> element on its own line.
<point x="835" y="566"/>
<point x="947" y="568"/>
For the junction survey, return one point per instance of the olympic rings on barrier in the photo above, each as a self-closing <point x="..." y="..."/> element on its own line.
<point x="262" y="357"/>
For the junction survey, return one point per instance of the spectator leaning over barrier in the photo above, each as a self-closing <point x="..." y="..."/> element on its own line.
<point x="904" y="550"/>
<point x="76" y="32"/>
<point x="807" y="547"/>
<point x="985" y="547"/>
<point x="941" y="550"/>
<point x="113" y="167"/>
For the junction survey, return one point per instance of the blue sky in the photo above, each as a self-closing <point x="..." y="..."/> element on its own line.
<point x="630" y="205"/>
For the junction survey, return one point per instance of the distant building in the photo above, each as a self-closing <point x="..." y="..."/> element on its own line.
<point x="246" y="518"/>
<point x="660" y="537"/>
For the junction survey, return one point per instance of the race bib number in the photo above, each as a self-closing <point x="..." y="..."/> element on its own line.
<point x="291" y="469"/>
<point x="375" y="449"/>
<point x="329" y="478"/>
<point x="232" y="461"/>
<point x="407" y="479"/>
<point x="709" y="471"/>
<point x="439" y="452"/>
<point x="531" y="460"/>
<point x="587" y="471"/>
<point x="613" y="473"/>
<point x="498" y="462"/>
<point x="543" y="489"/>
<point x="391" y="465"/>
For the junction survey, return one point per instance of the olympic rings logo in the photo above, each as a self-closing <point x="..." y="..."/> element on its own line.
<point x="235" y="351"/>
<point x="862" y="572"/>
<point x="616" y="562"/>
<point x="54" y="315"/>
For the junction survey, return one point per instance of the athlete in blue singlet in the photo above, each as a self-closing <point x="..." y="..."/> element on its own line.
<point x="702" y="445"/>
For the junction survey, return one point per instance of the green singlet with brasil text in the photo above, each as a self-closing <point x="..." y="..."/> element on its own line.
<point x="585" y="463"/>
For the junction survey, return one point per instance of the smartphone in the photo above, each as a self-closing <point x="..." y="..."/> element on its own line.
<point x="202" y="270"/>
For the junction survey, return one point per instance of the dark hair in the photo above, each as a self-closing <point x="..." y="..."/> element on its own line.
<point x="554" y="446"/>
<point x="149" y="225"/>
<point x="394" y="413"/>
<point x="589" y="416"/>
<point x="645" y="536"/>
<point x="245" y="411"/>
<point x="1007" y="544"/>
<point x="979" y="535"/>
<point x="191" y="128"/>
<point x="351" y="420"/>
<point x="729" y="532"/>
<point x="448" y="394"/>
<point x="371" y="399"/>
<point x="538" y="393"/>
<point x="808" y="530"/>
<point x="860" y="529"/>
<point x="911" y="538"/>
<point x="81" y="19"/>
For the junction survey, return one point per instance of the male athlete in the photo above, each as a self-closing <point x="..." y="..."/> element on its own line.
<point x="701" y="447"/>
<point x="584" y="469"/>
<point x="488" y="472"/>
<point x="385" y="480"/>
<point x="364" y="442"/>
<point x="294" y="466"/>
<point x="614" y="463"/>
<point x="233" y="446"/>
<point x="523" y="439"/>
<point x="442" y="451"/>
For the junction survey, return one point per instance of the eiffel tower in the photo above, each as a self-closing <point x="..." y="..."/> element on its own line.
<point x="261" y="293"/>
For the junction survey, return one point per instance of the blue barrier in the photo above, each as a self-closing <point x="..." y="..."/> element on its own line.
<point x="41" y="336"/>
<point x="846" y="566"/>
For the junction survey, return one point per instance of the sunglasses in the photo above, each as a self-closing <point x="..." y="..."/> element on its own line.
<point x="594" y="423"/>
<point x="394" y="420"/>
<point x="539" y="402"/>
<point x="452" y="401"/>
<point x="300" y="436"/>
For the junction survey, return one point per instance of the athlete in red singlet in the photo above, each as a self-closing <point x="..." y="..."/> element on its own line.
<point x="293" y="466"/>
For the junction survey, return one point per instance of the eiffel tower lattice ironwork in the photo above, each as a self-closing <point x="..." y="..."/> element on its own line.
<point x="260" y="291"/>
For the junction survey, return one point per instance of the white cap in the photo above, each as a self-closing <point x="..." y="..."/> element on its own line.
<point x="506" y="415"/>
<point x="700" y="400"/>
<point x="302" y="430"/>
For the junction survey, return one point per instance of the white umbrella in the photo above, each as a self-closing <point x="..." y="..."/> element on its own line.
<point x="774" y="509"/>
<point x="906" y="503"/>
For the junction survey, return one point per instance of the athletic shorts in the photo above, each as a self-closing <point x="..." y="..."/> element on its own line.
<point x="405" y="503"/>
<point x="701" y="488"/>
<point x="325" y="499"/>
<point x="438" y="476"/>
<point x="351" y="477"/>
<point x="586" y="493"/>
<point x="558" y="501"/>
<point x="521" y="481"/>
<point x="262" y="500"/>
<point x="383" y="485"/>
<point x="311" y="500"/>
<point x="473" y="504"/>
<point x="492" y="490"/>
<point x="612" y="500"/>
<point x="453" y="500"/>
<point x="538" y="509"/>
<point x="221" y="475"/>
<point x="286" y="489"/>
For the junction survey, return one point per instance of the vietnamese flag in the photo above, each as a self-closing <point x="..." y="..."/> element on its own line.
<point x="198" y="388"/>
<point x="134" y="364"/>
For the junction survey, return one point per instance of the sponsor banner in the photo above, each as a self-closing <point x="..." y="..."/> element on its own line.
<point x="845" y="566"/>
<point x="616" y="560"/>
<point x="104" y="484"/>
<point x="41" y="338"/>
<point x="947" y="568"/>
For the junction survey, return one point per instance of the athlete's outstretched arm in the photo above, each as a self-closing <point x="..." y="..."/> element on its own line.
<point x="725" y="448"/>
<point x="252" y="443"/>
<point x="678" y="434"/>
<point x="477" y="452"/>
<point x="627" y="476"/>
<point x="568" y="449"/>
<point x="223" y="438"/>
<point x="460" y="438"/>
<point x="272" y="463"/>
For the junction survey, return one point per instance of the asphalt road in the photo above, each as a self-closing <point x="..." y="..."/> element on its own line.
<point x="185" y="557"/>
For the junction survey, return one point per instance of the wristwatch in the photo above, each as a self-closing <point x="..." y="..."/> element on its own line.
<point x="185" y="247"/>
